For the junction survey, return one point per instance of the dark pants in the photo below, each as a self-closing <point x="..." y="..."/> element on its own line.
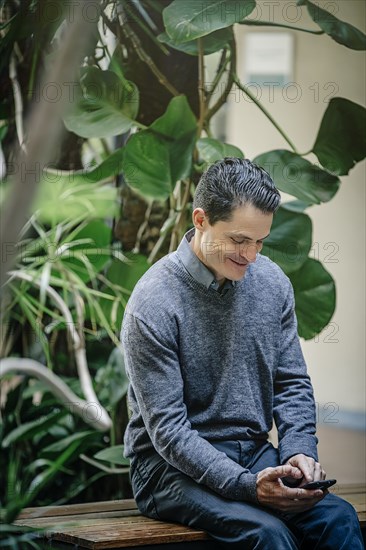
<point x="163" y="492"/>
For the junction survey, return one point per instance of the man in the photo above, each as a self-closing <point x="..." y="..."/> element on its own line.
<point x="213" y="356"/>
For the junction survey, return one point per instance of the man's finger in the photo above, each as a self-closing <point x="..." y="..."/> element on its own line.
<point x="317" y="476"/>
<point x="283" y="471"/>
<point x="304" y="494"/>
<point x="306" y="465"/>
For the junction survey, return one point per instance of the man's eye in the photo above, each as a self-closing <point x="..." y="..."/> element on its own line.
<point x="237" y="242"/>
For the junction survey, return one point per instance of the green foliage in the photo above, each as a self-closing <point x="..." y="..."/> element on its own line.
<point x="121" y="273"/>
<point x="68" y="259"/>
<point x="114" y="455"/>
<point x="25" y="430"/>
<point x="188" y="20"/>
<point x="104" y="105"/>
<point x="210" y="150"/>
<point x="341" y="140"/>
<point x="298" y="177"/>
<point x="162" y="154"/>
<point x="340" y="31"/>
<point x="290" y="240"/>
<point x="16" y="537"/>
<point x="314" y="297"/>
<point x="63" y="198"/>
<point x="43" y="444"/>
<point x="29" y="429"/>
<point x="211" y="43"/>
<point x="111" y="380"/>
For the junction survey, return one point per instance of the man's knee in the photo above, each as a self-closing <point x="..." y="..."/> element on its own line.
<point x="267" y="533"/>
<point x="275" y="535"/>
<point x="341" y="512"/>
<point x="336" y="523"/>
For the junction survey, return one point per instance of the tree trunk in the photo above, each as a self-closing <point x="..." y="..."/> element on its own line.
<point x="180" y="70"/>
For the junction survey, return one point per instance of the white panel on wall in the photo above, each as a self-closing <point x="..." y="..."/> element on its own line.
<point x="268" y="58"/>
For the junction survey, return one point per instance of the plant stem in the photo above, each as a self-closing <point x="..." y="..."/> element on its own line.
<point x="230" y="81"/>
<point x="220" y="71"/>
<point x="155" y="250"/>
<point x="33" y="73"/>
<point x="146" y="58"/>
<point x="305" y="153"/>
<point x="201" y="87"/>
<point x="104" y="468"/>
<point x="146" y="29"/>
<point x="143" y="226"/>
<point x="269" y="24"/>
<point x="112" y="430"/>
<point x="264" y="111"/>
<point x="18" y="101"/>
<point x="181" y="216"/>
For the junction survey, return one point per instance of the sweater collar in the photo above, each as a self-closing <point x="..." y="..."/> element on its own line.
<point x="196" y="268"/>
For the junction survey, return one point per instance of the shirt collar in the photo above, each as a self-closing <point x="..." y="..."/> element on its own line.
<point x="195" y="267"/>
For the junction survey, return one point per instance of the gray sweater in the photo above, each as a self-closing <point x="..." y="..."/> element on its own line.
<point x="207" y="366"/>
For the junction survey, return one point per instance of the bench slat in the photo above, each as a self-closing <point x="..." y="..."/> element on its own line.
<point x="73" y="509"/>
<point x="123" y="536"/>
<point x="95" y="517"/>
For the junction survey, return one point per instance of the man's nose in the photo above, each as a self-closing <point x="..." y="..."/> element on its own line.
<point x="249" y="252"/>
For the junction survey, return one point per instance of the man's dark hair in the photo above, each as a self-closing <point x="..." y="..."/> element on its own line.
<point x="233" y="182"/>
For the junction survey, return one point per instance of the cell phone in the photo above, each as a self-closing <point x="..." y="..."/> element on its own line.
<point x="320" y="484"/>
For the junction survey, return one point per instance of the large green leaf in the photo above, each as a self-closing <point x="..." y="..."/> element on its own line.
<point x="294" y="175"/>
<point x="103" y="106"/>
<point x="114" y="455"/>
<point x="146" y="165"/>
<point x="190" y="19"/>
<point x="341" y="140"/>
<point x="290" y="240"/>
<point x="341" y="32"/>
<point x="110" y="167"/>
<point x="179" y="126"/>
<point x="64" y="443"/>
<point x="156" y="158"/>
<point x="210" y="150"/>
<point x="315" y="297"/>
<point x="32" y="428"/>
<point x="211" y="43"/>
<point x="295" y="206"/>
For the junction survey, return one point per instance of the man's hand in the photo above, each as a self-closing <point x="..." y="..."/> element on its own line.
<point x="311" y="470"/>
<point x="273" y="493"/>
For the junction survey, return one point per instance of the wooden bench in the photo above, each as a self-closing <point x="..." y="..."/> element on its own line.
<point x="119" y="524"/>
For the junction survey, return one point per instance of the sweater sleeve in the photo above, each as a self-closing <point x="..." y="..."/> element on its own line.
<point x="153" y="368"/>
<point x="294" y="406"/>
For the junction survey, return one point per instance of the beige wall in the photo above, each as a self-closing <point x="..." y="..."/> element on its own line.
<point x="336" y="360"/>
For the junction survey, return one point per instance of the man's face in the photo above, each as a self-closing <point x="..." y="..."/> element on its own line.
<point x="228" y="247"/>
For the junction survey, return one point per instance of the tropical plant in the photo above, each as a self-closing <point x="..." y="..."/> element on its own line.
<point x="137" y="123"/>
<point x="42" y="443"/>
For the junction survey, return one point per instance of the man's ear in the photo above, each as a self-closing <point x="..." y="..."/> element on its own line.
<point x="199" y="219"/>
